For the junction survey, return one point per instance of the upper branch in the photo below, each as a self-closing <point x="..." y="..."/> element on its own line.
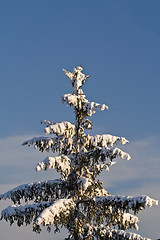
<point x="59" y="144"/>
<point x="82" y="105"/>
<point x="105" y="140"/>
<point x="60" y="129"/>
<point x="62" y="164"/>
<point x="44" y="143"/>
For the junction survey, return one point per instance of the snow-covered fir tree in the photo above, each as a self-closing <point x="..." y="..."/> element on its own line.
<point x="76" y="201"/>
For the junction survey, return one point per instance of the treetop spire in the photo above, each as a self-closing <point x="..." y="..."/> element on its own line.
<point x="77" y="78"/>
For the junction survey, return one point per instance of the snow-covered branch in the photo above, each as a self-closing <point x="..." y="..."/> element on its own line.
<point x="38" y="191"/>
<point x="109" y="214"/>
<point x="128" y="221"/>
<point x="126" y="203"/>
<point x="44" y="143"/>
<point x="102" y="153"/>
<point x="105" y="140"/>
<point x="116" y="152"/>
<point x="56" y="213"/>
<point x="61" y="163"/>
<point x="58" y="144"/>
<point x="84" y="183"/>
<point x="91" y="107"/>
<point x="23" y="214"/>
<point x="65" y="128"/>
<point x="74" y="100"/>
<point x="85" y="107"/>
<point x="100" y="158"/>
<point x="103" y="233"/>
<point x="83" y="229"/>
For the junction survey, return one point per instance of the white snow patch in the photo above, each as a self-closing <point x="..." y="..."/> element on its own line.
<point x="61" y="163"/>
<point x="86" y="182"/>
<point x="48" y="214"/>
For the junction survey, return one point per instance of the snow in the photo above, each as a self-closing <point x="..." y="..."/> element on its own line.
<point x="77" y="98"/>
<point x="60" y="144"/>
<point x="87" y="124"/>
<point x="61" y="163"/>
<point x="77" y="77"/>
<point x="85" y="182"/>
<point x="37" y="190"/>
<point x="45" y="143"/>
<point x="106" y="140"/>
<point x="42" y="140"/>
<point x="71" y="99"/>
<point x="129" y="219"/>
<point x="108" y="153"/>
<point x="91" y="107"/>
<point x="60" y="129"/>
<point x="48" y="215"/>
<point x="14" y="210"/>
<point x="116" y="234"/>
<point x="123" y="155"/>
<point x="128" y="202"/>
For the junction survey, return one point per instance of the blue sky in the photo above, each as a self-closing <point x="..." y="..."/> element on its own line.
<point x="118" y="44"/>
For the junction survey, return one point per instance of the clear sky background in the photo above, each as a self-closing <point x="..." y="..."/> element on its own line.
<point x="118" y="44"/>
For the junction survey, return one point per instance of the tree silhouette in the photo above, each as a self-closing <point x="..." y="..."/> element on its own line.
<point x="77" y="201"/>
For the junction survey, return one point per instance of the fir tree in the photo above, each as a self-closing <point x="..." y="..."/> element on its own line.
<point x="77" y="201"/>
